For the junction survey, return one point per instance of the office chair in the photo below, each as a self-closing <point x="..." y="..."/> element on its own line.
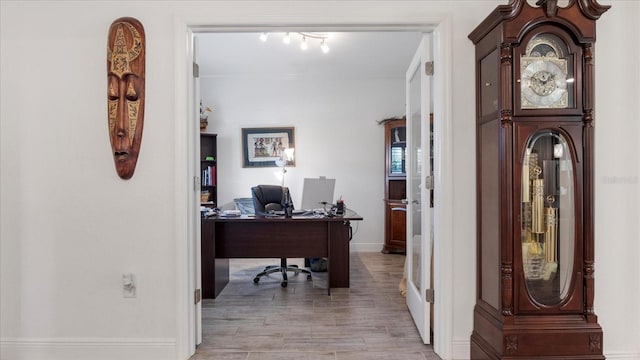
<point x="266" y="199"/>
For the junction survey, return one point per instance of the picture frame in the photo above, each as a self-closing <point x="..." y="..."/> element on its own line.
<point x="261" y="147"/>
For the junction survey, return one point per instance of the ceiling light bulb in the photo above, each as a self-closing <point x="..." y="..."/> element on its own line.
<point x="287" y="39"/>
<point x="264" y="36"/>
<point x="304" y="45"/>
<point x="324" y="47"/>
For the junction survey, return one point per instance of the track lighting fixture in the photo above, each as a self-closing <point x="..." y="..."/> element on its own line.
<point x="304" y="43"/>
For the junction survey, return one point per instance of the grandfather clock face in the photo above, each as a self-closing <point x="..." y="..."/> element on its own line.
<point x="546" y="80"/>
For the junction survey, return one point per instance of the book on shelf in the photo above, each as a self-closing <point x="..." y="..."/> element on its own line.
<point x="212" y="175"/>
<point x="209" y="176"/>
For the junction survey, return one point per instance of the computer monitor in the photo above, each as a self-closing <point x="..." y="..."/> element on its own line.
<point x="315" y="191"/>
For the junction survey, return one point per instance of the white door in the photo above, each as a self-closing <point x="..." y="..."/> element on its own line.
<point x="419" y="229"/>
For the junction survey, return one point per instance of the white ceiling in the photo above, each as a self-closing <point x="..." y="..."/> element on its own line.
<point x="352" y="54"/>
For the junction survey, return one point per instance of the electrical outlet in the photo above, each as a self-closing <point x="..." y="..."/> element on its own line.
<point x="128" y="285"/>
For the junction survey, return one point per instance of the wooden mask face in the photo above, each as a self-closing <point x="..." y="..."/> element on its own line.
<point x="125" y="92"/>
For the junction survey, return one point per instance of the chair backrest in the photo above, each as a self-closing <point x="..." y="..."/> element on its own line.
<point x="268" y="198"/>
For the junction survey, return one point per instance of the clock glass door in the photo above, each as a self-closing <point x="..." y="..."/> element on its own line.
<point x="548" y="213"/>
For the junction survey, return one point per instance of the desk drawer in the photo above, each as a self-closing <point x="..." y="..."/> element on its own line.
<point x="265" y="239"/>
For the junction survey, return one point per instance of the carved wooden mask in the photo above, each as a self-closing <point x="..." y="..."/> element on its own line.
<point x="125" y="92"/>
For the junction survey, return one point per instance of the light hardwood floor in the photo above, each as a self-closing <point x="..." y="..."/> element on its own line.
<point x="367" y="321"/>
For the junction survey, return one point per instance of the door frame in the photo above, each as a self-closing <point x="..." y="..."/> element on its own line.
<point x="184" y="150"/>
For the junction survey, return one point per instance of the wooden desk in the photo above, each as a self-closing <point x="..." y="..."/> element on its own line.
<point x="274" y="237"/>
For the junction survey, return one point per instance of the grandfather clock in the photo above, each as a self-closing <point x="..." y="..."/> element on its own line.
<point x="534" y="136"/>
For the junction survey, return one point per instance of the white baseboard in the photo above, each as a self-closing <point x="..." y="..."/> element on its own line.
<point x="621" y="355"/>
<point x="365" y="247"/>
<point x="461" y="348"/>
<point x="87" y="348"/>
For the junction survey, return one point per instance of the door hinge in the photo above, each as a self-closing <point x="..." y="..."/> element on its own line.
<point x="429" y="182"/>
<point x="196" y="70"/>
<point x="196" y="183"/>
<point x="428" y="68"/>
<point x="197" y="296"/>
<point x="429" y="295"/>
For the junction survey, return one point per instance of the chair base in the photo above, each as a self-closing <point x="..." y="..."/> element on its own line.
<point x="283" y="268"/>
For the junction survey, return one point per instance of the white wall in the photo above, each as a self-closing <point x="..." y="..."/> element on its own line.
<point x="336" y="135"/>
<point x="70" y="227"/>
<point x="617" y="175"/>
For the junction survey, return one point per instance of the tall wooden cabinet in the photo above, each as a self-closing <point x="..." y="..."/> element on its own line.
<point x="208" y="173"/>
<point x="395" y="192"/>
<point x="534" y="136"/>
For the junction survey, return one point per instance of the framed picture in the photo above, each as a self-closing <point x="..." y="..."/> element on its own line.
<point x="261" y="147"/>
